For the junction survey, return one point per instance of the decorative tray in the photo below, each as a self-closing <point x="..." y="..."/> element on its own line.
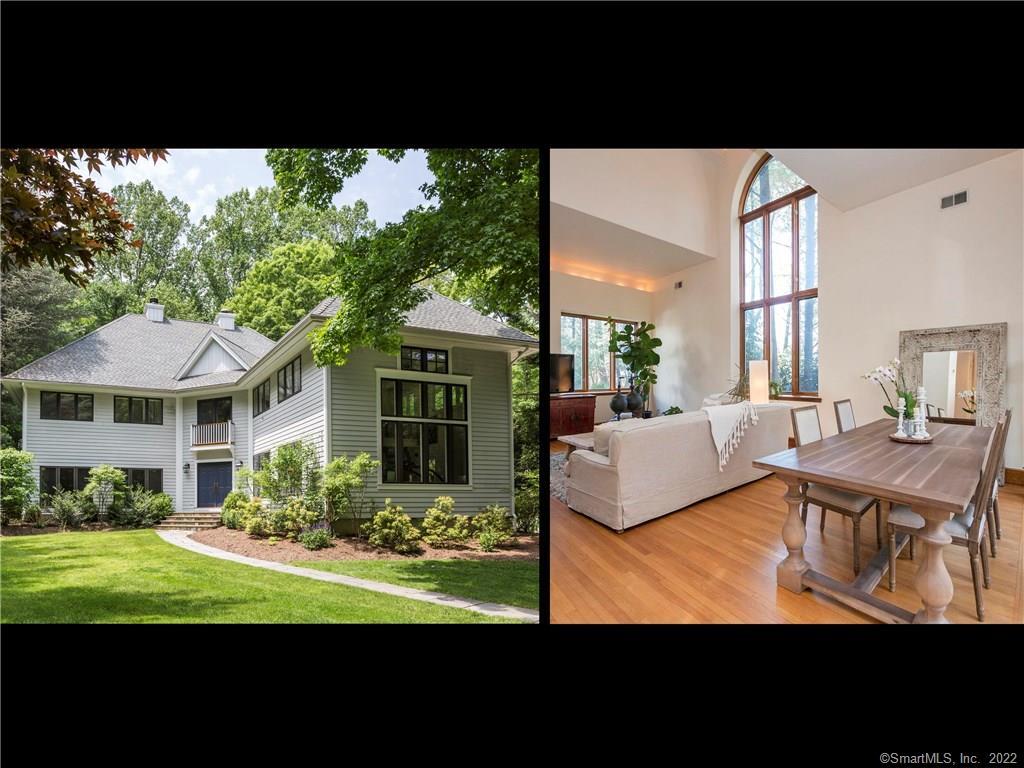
<point x="913" y="440"/>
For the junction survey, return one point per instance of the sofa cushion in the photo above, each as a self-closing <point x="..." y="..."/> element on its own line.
<point x="603" y="432"/>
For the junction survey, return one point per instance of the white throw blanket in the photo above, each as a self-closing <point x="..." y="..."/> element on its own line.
<point x="728" y="423"/>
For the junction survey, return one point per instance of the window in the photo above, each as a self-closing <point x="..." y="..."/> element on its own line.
<point x="289" y="380"/>
<point x="779" y="277"/>
<point x="258" y="460"/>
<point x="422" y="440"/>
<point x="62" y="478"/>
<point x="213" y="411"/>
<point x="594" y="367"/>
<point x="65" y="406"/>
<point x="427" y="360"/>
<point x="139" y="410"/>
<point x="150" y="479"/>
<point x="261" y="398"/>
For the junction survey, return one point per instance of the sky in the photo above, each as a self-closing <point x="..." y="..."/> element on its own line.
<point x="200" y="176"/>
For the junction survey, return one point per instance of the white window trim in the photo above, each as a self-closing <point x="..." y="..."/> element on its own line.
<point x="438" y="378"/>
<point x="211" y="338"/>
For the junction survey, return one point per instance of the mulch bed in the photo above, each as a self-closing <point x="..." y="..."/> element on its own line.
<point x="347" y="548"/>
<point x="31" y="530"/>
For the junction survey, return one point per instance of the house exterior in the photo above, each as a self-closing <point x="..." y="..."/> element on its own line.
<point x="182" y="406"/>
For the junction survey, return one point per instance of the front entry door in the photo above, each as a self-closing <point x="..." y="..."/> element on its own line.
<point x="213" y="483"/>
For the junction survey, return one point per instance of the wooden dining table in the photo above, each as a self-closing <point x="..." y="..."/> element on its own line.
<point x="937" y="479"/>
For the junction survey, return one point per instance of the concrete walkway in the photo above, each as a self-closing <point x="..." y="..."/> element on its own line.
<point x="181" y="539"/>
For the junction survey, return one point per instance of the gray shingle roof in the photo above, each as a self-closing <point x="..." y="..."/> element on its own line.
<point x="439" y="313"/>
<point x="135" y="352"/>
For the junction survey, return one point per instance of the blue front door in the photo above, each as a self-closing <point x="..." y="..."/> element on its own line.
<point x="213" y="483"/>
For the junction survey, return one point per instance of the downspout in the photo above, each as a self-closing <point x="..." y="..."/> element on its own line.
<point x="179" y="480"/>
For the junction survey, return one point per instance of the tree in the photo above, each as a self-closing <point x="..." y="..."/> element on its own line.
<point x="52" y="215"/>
<point x="246" y="226"/>
<point x="280" y="289"/>
<point x="479" y="234"/>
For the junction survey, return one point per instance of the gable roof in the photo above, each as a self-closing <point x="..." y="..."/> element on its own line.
<point x="135" y="352"/>
<point x="439" y="313"/>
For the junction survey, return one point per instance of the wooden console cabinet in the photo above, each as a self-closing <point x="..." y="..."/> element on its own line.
<point x="571" y="414"/>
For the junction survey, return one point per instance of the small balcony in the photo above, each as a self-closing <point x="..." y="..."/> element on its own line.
<point x="217" y="434"/>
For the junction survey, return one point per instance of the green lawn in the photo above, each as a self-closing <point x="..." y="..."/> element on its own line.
<point x="513" y="582"/>
<point x="134" y="576"/>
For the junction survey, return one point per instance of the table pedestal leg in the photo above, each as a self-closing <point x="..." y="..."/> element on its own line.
<point x="932" y="580"/>
<point x="790" y="571"/>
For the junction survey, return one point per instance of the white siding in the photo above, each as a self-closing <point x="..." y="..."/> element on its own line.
<point x="300" y="417"/>
<point x="55" y="443"/>
<point x="214" y="358"/>
<point x="354" y="425"/>
<point x="240" y="417"/>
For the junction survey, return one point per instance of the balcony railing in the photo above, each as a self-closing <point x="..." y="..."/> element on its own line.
<point x="215" y="435"/>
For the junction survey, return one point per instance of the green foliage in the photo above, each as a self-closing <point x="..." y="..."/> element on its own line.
<point x="17" y="483"/>
<point x="392" y="529"/>
<point x="141" y="508"/>
<point x="636" y="347"/>
<point x="672" y="410"/>
<point x="52" y="215"/>
<point x="293" y="470"/>
<point x="526" y="416"/>
<point x="66" y="508"/>
<point x="230" y="510"/>
<point x="253" y="517"/>
<point x="33" y="515"/>
<point x="345" y="488"/>
<point x="492" y="527"/>
<point x="280" y="289"/>
<point x="478" y="235"/>
<point x="287" y="520"/>
<point x="316" y="538"/>
<point x="442" y="527"/>
<point x="106" y="487"/>
<point x="528" y="503"/>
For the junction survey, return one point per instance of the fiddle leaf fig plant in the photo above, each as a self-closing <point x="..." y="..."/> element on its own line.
<point x="636" y="347"/>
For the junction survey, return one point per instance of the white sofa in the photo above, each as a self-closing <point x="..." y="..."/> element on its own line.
<point x="656" y="466"/>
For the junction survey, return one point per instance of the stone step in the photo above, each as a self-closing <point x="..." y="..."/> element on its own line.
<point x="186" y="524"/>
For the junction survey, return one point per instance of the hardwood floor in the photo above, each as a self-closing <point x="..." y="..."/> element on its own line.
<point x="714" y="562"/>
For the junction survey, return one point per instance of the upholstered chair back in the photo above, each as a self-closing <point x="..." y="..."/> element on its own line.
<point x="806" y="425"/>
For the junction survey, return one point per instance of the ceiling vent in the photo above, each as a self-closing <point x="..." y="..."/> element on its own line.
<point x="959" y="198"/>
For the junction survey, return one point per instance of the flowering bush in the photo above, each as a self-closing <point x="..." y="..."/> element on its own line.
<point x="893" y="374"/>
<point x="317" y="536"/>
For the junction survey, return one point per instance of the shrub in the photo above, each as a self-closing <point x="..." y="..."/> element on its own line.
<point x="392" y="529"/>
<point x="33" y="515"/>
<point x="141" y="508"/>
<point x="16" y="482"/>
<point x="292" y="470"/>
<point x="253" y="517"/>
<point x="230" y="509"/>
<point x="489" y="540"/>
<point x="317" y="537"/>
<point x="66" y="508"/>
<point x="442" y="527"/>
<point x="106" y="488"/>
<point x="528" y="503"/>
<point x="345" y="488"/>
<point x="493" y="525"/>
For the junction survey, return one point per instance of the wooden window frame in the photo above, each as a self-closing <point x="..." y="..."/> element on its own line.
<point x="586" y="353"/>
<point x="261" y="393"/>
<point x="766" y="302"/>
<point x="296" y="366"/>
<point x="77" y="395"/>
<point x="145" y="410"/>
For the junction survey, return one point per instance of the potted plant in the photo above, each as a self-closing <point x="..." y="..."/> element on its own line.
<point x="893" y="374"/>
<point x="636" y="347"/>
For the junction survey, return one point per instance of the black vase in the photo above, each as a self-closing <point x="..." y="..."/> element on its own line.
<point x="634" y="402"/>
<point x="618" y="404"/>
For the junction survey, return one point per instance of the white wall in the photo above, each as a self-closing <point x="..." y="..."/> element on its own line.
<point x="901" y="263"/>
<point x="664" y="193"/>
<point x="590" y="297"/>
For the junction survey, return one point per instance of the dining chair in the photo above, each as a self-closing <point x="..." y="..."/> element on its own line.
<point x="807" y="429"/>
<point x="995" y="530"/>
<point x="844" y="415"/>
<point x="966" y="529"/>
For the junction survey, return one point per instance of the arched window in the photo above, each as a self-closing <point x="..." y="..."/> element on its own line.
<point x="779" y="277"/>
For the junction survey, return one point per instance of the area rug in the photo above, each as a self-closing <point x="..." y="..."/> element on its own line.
<point x="557" y="477"/>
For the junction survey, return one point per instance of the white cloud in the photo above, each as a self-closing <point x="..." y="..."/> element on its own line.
<point x="192" y="174"/>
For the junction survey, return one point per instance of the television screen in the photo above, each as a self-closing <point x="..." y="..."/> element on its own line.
<point x="562" y="373"/>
